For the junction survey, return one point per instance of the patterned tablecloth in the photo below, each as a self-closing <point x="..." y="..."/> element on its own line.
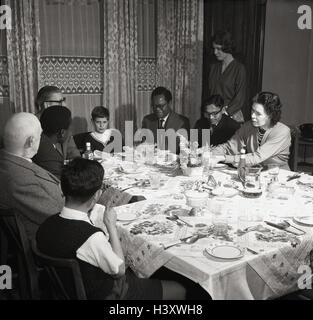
<point x="271" y="271"/>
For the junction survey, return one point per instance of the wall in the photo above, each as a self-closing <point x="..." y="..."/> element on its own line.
<point x="288" y="55"/>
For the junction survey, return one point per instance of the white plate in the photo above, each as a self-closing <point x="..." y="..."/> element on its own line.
<point x="225" y="251"/>
<point x="306" y="179"/>
<point x="126" y="216"/>
<point x="224" y="192"/>
<point x="305" y="220"/>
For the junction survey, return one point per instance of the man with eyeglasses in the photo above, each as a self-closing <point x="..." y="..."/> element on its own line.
<point x="163" y="117"/>
<point x="222" y="127"/>
<point x="50" y="96"/>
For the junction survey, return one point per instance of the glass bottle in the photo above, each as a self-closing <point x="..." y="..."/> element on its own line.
<point x="242" y="164"/>
<point x="88" y="154"/>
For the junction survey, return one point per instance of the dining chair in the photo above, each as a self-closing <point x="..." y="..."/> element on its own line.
<point x="64" y="275"/>
<point x="15" y="247"/>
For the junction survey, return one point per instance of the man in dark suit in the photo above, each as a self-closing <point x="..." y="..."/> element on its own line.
<point x="163" y="119"/>
<point x="221" y="126"/>
<point x="25" y="187"/>
<point x="56" y="125"/>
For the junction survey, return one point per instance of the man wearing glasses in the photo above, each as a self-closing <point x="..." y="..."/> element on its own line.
<point x="163" y="117"/>
<point x="222" y="127"/>
<point x="50" y="96"/>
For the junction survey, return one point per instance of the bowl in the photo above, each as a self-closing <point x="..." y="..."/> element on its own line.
<point x="196" y="199"/>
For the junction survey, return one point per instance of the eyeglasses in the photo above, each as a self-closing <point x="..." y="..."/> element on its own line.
<point x="212" y="114"/>
<point x="56" y="101"/>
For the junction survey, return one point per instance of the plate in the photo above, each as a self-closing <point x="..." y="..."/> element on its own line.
<point x="224" y="192"/>
<point x="225" y="251"/>
<point x="126" y="216"/>
<point x="305" y="220"/>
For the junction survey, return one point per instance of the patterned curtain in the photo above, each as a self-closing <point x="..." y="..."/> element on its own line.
<point x="179" y="53"/>
<point x="120" y="60"/>
<point x="23" y="49"/>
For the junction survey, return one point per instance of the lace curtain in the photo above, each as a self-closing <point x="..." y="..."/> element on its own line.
<point x="179" y="53"/>
<point x="23" y="54"/>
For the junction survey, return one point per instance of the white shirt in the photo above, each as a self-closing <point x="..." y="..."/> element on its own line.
<point x="164" y="120"/>
<point x="96" y="250"/>
<point x="102" y="137"/>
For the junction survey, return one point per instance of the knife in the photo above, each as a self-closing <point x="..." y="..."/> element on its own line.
<point x="272" y="224"/>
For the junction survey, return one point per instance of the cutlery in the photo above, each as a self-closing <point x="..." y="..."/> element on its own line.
<point x="252" y="251"/>
<point x="283" y="226"/>
<point x="188" y="240"/>
<point x="295" y="176"/>
<point x="175" y="217"/>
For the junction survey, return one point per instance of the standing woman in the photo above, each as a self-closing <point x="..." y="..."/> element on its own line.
<point x="228" y="77"/>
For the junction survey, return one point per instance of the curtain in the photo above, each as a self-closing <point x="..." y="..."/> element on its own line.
<point x="120" y="59"/>
<point x="23" y="49"/>
<point x="179" y="53"/>
<point x="246" y="21"/>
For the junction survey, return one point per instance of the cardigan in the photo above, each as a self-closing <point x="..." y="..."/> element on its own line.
<point x="274" y="148"/>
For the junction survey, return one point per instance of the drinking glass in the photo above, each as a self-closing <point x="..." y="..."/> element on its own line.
<point x="154" y="179"/>
<point x="252" y="178"/>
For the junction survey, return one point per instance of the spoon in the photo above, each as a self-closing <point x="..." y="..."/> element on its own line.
<point x="284" y="225"/>
<point x="174" y="217"/>
<point x="188" y="240"/>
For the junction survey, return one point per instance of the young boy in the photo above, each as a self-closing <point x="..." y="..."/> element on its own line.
<point x="101" y="136"/>
<point x="70" y="234"/>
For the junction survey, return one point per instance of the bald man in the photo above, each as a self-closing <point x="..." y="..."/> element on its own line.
<point x="32" y="191"/>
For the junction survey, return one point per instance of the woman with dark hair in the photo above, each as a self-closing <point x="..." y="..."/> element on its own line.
<point x="221" y="126"/>
<point x="265" y="139"/>
<point x="227" y="77"/>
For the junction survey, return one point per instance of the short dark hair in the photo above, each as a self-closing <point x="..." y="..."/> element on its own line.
<point x="271" y="103"/>
<point x="81" y="179"/>
<point x="161" y="90"/>
<point x="55" y="118"/>
<point x="100" y="112"/>
<point x="225" y="39"/>
<point x="44" y="94"/>
<point x="215" y="99"/>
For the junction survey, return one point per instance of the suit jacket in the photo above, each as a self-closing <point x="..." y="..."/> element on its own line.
<point x="49" y="157"/>
<point x="174" y="121"/>
<point x="32" y="191"/>
<point x="225" y="129"/>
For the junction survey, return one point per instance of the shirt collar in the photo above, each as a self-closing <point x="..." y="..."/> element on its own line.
<point x="165" y="118"/>
<point x="73" y="214"/>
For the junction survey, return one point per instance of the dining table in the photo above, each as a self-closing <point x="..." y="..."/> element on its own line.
<point x="246" y="248"/>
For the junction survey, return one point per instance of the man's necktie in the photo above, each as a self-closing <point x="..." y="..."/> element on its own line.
<point x="161" y="122"/>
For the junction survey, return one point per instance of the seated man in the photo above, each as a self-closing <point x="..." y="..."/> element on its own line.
<point x="222" y="127"/>
<point x="101" y="136"/>
<point x="164" y="118"/>
<point x="30" y="190"/>
<point x="99" y="254"/>
<point x="56" y="125"/>
<point x="266" y="140"/>
<point x="50" y="96"/>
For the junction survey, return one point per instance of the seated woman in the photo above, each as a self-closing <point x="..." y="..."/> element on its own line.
<point x="267" y="141"/>
<point x="99" y="253"/>
<point x="222" y="127"/>
<point x="101" y="136"/>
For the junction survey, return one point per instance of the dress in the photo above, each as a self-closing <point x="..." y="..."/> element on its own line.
<point x="231" y="85"/>
<point x="274" y="148"/>
<point x="221" y="133"/>
<point x="30" y="190"/>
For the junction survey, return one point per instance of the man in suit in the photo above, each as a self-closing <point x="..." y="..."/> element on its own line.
<point x="163" y="119"/>
<point x="56" y="125"/>
<point x="25" y="187"/>
<point x="222" y="127"/>
<point x="50" y="96"/>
